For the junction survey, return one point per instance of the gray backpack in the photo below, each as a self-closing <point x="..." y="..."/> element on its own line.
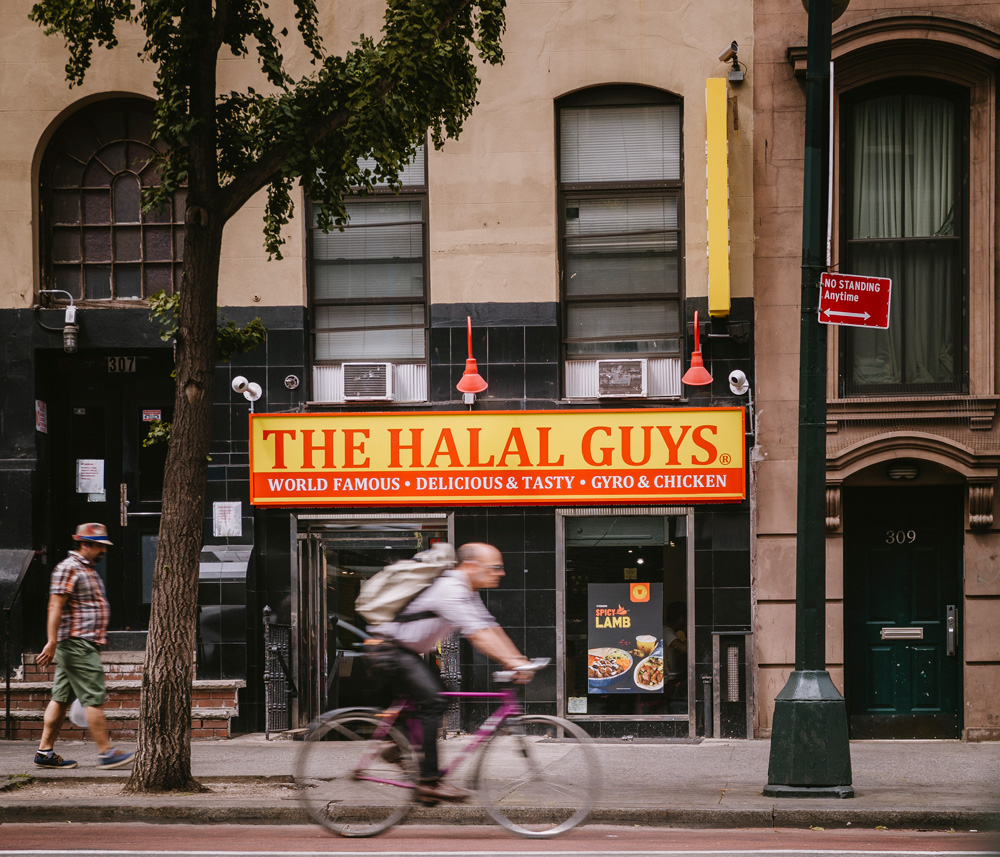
<point x="386" y="593"/>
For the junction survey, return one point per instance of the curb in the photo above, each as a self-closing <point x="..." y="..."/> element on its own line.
<point x="176" y="810"/>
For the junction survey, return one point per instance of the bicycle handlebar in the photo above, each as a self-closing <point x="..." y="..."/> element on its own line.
<point x="502" y="676"/>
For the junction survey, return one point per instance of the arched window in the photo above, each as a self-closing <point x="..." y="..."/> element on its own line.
<point x="97" y="243"/>
<point x="621" y="200"/>
<point x="905" y="155"/>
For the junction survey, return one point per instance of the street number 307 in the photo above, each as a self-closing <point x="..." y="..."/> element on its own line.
<point x="121" y="364"/>
<point x="900" y="537"/>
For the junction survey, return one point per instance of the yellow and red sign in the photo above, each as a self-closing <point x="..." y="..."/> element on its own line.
<point x="507" y="457"/>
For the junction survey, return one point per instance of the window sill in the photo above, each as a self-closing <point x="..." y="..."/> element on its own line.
<point x="979" y="411"/>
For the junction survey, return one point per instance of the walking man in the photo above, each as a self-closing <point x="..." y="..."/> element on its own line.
<point x="77" y="625"/>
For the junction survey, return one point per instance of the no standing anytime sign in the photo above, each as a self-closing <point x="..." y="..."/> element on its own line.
<point x="854" y="300"/>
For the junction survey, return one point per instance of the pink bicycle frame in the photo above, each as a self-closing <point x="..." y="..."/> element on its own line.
<point x="510" y="707"/>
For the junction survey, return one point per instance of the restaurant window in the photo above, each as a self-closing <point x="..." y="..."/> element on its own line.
<point x="97" y="242"/>
<point x="621" y="191"/>
<point x="627" y="607"/>
<point x="905" y="168"/>
<point x="369" y="296"/>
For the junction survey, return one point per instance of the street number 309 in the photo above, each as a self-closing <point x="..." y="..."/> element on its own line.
<point x="900" y="537"/>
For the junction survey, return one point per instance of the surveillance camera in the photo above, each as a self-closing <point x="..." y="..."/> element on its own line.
<point x="253" y="392"/>
<point x="240" y="384"/>
<point x="729" y="52"/>
<point x="738" y="382"/>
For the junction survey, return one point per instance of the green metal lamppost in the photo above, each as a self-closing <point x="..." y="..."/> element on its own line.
<point x="810" y="753"/>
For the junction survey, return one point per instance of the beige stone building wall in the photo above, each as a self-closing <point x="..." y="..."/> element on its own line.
<point x="493" y="218"/>
<point x="955" y="440"/>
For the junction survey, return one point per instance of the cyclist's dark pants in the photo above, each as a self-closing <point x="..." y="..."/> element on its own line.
<point x="419" y="682"/>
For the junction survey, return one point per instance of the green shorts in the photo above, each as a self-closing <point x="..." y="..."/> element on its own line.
<point x="79" y="673"/>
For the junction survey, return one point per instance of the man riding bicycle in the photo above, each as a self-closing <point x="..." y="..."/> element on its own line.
<point x="449" y="604"/>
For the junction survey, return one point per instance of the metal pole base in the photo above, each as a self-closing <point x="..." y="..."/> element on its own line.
<point x="809" y="791"/>
<point x="810" y="752"/>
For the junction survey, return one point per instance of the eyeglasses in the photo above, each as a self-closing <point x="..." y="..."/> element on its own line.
<point x="487" y="565"/>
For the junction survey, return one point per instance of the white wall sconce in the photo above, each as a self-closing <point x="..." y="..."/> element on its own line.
<point x="250" y="389"/>
<point x="739" y="385"/>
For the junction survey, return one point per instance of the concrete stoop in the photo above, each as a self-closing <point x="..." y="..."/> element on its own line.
<point x="214" y="702"/>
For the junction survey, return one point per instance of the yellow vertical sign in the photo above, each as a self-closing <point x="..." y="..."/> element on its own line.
<point x="717" y="158"/>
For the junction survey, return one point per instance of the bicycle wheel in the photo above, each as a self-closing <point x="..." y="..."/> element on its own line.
<point x="538" y="775"/>
<point x="354" y="777"/>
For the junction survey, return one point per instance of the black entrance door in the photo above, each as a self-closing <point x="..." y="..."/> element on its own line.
<point x="902" y="579"/>
<point x="100" y="407"/>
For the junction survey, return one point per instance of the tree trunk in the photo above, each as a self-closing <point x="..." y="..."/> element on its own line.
<point x="163" y="757"/>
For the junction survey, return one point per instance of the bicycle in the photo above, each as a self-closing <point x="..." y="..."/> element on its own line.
<point x="536" y="775"/>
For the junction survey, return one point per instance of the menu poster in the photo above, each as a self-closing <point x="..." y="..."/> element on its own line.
<point x="625" y="639"/>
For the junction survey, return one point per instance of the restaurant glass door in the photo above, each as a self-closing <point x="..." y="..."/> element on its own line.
<point x="627" y="596"/>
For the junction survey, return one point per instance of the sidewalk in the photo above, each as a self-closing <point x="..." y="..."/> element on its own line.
<point x="712" y="784"/>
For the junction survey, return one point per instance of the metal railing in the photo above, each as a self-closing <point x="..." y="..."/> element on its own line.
<point x="279" y="684"/>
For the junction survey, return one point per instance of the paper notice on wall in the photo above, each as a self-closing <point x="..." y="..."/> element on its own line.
<point x="227" y="519"/>
<point x="90" y="476"/>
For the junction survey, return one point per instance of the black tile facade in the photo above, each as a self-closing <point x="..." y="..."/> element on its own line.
<point x="518" y="351"/>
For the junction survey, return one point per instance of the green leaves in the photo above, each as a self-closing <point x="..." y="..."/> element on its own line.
<point x="239" y="340"/>
<point x="83" y="23"/>
<point x="381" y="99"/>
<point x="230" y="339"/>
<point x="164" y="309"/>
<point x="159" y="432"/>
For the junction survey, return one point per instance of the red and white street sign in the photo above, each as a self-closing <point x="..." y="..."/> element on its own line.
<point x="854" y="300"/>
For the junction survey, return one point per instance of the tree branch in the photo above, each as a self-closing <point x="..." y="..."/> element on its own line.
<point x="268" y="166"/>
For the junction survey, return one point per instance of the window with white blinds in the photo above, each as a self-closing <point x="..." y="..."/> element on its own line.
<point x="368" y="284"/>
<point x="620" y="144"/>
<point x="620" y="195"/>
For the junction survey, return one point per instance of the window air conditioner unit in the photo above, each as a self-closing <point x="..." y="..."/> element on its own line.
<point x="618" y="379"/>
<point x="368" y="382"/>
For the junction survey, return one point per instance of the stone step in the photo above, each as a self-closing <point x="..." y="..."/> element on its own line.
<point x="214" y="702"/>
<point x="123" y="724"/>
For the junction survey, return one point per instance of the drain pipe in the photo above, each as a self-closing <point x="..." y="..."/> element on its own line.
<point x="706" y="688"/>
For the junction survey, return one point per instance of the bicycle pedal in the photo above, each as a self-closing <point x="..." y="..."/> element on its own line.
<point x="426" y="801"/>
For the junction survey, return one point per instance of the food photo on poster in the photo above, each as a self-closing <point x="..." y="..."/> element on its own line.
<point x="625" y="639"/>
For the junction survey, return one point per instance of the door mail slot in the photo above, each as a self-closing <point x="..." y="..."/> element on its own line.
<point x="902" y="633"/>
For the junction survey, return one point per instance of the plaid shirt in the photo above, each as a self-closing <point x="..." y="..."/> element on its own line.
<point x="87" y="610"/>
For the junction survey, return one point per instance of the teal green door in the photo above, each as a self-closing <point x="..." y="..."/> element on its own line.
<point x="902" y="589"/>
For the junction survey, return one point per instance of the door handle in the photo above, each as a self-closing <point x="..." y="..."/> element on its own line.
<point x="951" y="630"/>
<point x="123" y="504"/>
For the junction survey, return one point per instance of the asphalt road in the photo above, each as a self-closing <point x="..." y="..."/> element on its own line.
<point x="168" y="840"/>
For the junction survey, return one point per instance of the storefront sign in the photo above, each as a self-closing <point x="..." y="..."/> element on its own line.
<point x="498" y="457"/>
<point x="625" y="639"/>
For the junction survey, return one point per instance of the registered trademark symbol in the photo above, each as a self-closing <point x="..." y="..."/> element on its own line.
<point x="725" y="458"/>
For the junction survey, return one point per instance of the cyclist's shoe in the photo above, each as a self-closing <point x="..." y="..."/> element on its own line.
<point x="431" y="793"/>
<point x="51" y="759"/>
<point x="390" y="752"/>
<point x="114" y="759"/>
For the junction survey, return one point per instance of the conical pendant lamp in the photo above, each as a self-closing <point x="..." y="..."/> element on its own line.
<point x="697" y="375"/>
<point x="471" y="381"/>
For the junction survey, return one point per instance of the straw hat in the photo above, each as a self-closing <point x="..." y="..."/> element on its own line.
<point x="92" y="533"/>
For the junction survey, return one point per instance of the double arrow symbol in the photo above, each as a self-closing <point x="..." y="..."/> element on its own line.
<point x="864" y="315"/>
